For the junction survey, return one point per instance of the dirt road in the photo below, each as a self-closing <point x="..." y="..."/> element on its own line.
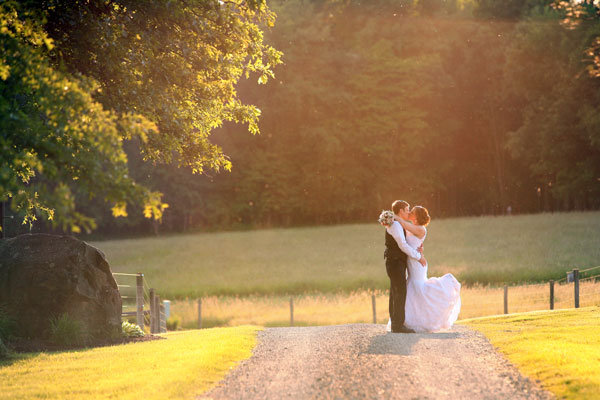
<point x="363" y="361"/>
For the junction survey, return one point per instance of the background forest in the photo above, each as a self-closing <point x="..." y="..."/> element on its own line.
<point x="465" y="107"/>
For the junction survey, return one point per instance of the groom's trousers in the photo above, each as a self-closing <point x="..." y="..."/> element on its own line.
<point x="396" y="270"/>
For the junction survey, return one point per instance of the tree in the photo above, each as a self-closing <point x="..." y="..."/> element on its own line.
<point x="577" y="13"/>
<point x="558" y="138"/>
<point x="82" y="77"/>
<point x="463" y="114"/>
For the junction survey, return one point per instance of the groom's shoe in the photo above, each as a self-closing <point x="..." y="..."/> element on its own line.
<point x="403" y="329"/>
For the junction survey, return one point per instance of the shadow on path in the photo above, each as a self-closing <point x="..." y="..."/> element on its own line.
<point x="402" y="343"/>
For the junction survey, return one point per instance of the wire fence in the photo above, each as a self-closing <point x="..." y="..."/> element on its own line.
<point x="589" y="291"/>
<point x="582" y="286"/>
<point x="574" y="290"/>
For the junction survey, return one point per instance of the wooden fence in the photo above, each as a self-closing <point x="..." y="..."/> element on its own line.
<point x="141" y="301"/>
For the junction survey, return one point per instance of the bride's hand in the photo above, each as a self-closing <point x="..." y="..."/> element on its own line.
<point x="404" y="223"/>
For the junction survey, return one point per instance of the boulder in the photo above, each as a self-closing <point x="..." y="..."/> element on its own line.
<point x="44" y="276"/>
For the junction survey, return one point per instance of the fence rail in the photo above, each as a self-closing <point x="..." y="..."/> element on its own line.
<point x="149" y="310"/>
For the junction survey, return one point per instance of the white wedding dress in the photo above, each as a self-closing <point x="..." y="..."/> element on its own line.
<point x="431" y="304"/>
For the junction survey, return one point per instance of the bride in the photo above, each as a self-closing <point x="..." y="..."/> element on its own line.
<point x="431" y="304"/>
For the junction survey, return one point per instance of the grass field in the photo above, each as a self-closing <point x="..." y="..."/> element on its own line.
<point x="346" y="258"/>
<point x="182" y="367"/>
<point x="559" y="348"/>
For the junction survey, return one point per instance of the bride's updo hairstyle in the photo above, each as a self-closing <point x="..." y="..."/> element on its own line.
<point x="421" y="215"/>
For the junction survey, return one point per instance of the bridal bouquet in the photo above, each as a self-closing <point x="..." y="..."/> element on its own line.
<point x="386" y="217"/>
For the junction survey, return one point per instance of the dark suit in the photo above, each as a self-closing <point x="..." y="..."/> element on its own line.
<point x="396" y="264"/>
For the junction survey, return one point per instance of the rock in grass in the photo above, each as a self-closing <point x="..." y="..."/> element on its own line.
<point x="46" y="276"/>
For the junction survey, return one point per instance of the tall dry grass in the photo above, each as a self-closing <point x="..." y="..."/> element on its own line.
<point x="356" y="307"/>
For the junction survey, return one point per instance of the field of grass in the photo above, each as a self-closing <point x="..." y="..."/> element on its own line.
<point x="181" y="367"/>
<point x="559" y="348"/>
<point x="346" y="258"/>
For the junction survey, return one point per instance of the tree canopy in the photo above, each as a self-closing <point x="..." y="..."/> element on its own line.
<point x="465" y="107"/>
<point x="81" y="79"/>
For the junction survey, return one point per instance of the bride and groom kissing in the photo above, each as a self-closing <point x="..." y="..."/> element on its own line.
<point x="417" y="303"/>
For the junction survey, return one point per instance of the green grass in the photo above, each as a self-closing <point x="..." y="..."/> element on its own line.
<point x="561" y="348"/>
<point x="487" y="250"/>
<point x="181" y="367"/>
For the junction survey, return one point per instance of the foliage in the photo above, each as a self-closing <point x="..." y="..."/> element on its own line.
<point x="464" y="114"/>
<point x="173" y="322"/>
<point x="508" y="9"/>
<point x="559" y="348"/>
<point x="7" y="325"/>
<point x="183" y="366"/>
<point x="465" y="107"/>
<point x="67" y="331"/>
<point x="478" y="250"/>
<point x="558" y="138"/>
<point x="131" y="330"/>
<point x="3" y="350"/>
<point x="80" y="78"/>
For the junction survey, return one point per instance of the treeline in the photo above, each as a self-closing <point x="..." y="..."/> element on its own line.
<point x="466" y="111"/>
<point x="465" y="108"/>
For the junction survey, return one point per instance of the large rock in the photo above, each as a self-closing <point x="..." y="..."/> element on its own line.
<point x="42" y="276"/>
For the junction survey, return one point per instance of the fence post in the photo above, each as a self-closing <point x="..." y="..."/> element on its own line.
<point x="139" y="299"/>
<point x="576" y="286"/>
<point x="374" y="309"/>
<point x="200" y="313"/>
<point x="157" y="311"/>
<point x="291" y="311"/>
<point x="167" y="304"/>
<point x="552" y="294"/>
<point x="152" y="312"/>
<point x="162" y="326"/>
<point x="505" y="299"/>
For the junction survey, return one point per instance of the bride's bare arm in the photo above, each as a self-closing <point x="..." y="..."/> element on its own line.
<point x="417" y="230"/>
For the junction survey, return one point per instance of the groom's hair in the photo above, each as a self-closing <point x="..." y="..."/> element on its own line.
<point x="399" y="205"/>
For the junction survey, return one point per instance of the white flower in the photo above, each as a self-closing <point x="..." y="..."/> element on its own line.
<point x="386" y="217"/>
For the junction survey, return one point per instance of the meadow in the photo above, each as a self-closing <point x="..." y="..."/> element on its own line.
<point x="182" y="367"/>
<point x="479" y="251"/>
<point x="560" y="348"/>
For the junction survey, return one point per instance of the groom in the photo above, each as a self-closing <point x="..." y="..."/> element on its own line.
<point x="396" y="256"/>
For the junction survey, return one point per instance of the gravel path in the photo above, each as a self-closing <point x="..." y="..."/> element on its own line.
<point x="363" y="361"/>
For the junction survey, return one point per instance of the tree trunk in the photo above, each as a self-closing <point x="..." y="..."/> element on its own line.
<point x="498" y="157"/>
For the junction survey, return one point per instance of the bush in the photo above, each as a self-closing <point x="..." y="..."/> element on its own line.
<point x="3" y="350"/>
<point x="131" y="330"/>
<point x="66" y="331"/>
<point x="173" y="322"/>
<point x="7" y="325"/>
